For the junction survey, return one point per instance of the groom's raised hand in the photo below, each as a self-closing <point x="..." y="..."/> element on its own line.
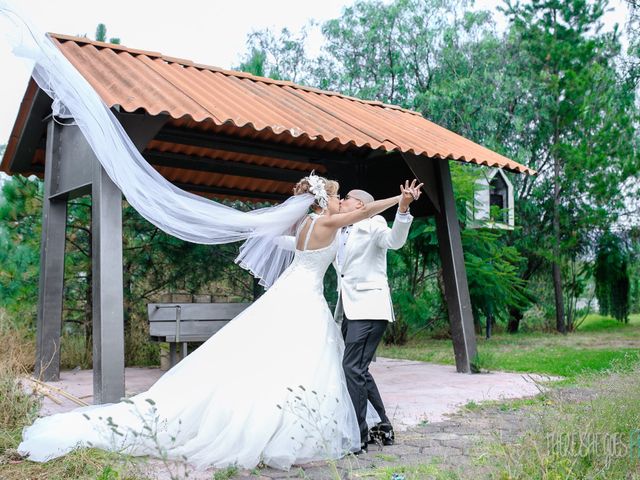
<point x="409" y="193"/>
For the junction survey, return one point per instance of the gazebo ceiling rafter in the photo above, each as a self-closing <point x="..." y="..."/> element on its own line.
<point x="214" y="165"/>
<point x="255" y="147"/>
<point x="232" y="192"/>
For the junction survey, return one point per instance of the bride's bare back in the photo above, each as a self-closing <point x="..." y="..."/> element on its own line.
<point x="314" y="237"/>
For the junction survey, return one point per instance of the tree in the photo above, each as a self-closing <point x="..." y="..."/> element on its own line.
<point x="450" y="65"/>
<point x="385" y="52"/>
<point x="612" y="277"/>
<point x="255" y="63"/>
<point x="281" y="58"/>
<point x="20" y="207"/>
<point x="101" y="35"/>
<point x="632" y="58"/>
<point x="3" y="147"/>
<point x="579" y="129"/>
<point x="634" y="270"/>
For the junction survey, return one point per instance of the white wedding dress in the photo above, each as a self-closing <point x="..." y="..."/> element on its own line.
<point x="268" y="387"/>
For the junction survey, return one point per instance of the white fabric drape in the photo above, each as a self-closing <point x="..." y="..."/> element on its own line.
<point x="175" y="211"/>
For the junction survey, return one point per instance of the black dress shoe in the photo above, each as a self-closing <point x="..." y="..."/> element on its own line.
<point x="383" y="433"/>
<point x="364" y="448"/>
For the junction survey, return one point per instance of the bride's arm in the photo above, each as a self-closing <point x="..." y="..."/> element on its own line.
<point x="338" y="220"/>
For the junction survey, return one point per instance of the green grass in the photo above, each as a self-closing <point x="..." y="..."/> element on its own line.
<point x="225" y="473"/>
<point x="600" y="349"/>
<point x="598" y="323"/>
<point x="386" y="458"/>
<point x="509" y="405"/>
<point x="599" y="343"/>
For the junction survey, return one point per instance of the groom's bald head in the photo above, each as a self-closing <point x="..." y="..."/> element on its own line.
<point x="364" y="197"/>
<point x="355" y="199"/>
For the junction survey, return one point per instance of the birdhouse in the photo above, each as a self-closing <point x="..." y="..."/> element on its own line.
<point x="493" y="205"/>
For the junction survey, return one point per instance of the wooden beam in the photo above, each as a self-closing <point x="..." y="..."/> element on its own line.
<point x="107" y="276"/>
<point x="237" y="192"/>
<point x="74" y="169"/>
<point x="425" y="168"/>
<point x="225" y="167"/>
<point x="454" y="272"/>
<point x="35" y="129"/>
<point x="141" y="127"/>
<point x="253" y="147"/>
<point x="382" y="178"/>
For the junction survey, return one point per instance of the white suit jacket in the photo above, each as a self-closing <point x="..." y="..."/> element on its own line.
<point x="363" y="287"/>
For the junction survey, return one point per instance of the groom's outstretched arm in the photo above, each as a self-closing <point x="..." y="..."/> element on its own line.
<point x="395" y="237"/>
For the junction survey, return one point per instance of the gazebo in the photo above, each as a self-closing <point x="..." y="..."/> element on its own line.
<point x="221" y="134"/>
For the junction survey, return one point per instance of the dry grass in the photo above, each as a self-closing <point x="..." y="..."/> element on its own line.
<point x="16" y="359"/>
<point x="591" y="437"/>
<point x="18" y="346"/>
<point x="18" y="408"/>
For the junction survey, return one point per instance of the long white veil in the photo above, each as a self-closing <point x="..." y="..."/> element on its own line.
<point x="175" y="211"/>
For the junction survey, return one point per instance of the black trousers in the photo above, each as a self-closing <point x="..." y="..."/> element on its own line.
<point x="361" y="338"/>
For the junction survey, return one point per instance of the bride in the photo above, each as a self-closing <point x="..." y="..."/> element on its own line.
<point x="268" y="387"/>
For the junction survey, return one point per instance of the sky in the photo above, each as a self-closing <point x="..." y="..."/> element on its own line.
<point x="213" y="32"/>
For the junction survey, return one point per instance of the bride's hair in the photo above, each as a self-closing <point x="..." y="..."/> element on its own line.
<point x="304" y="186"/>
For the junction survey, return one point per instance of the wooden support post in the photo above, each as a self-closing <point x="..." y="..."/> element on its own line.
<point x="108" y="317"/>
<point x="173" y="357"/>
<point x="108" y="301"/>
<point x="437" y="179"/>
<point x="50" y="287"/>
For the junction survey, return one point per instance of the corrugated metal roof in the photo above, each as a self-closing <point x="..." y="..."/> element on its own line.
<point x="278" y="111"/>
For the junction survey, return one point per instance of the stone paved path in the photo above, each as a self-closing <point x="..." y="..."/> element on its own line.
<point x="412" y="391"/>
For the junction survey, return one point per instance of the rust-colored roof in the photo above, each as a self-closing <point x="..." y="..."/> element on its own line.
<point x="273" y="109"/>
<point x="222" y="104"/>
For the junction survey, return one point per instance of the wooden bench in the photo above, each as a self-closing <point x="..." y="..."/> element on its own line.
<point x="179" y="323"/>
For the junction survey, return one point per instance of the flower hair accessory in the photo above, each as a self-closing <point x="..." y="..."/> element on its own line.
<point x="317" y="188"/>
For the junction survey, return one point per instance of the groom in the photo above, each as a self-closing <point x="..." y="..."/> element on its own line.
<point x="364" y="302"/>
